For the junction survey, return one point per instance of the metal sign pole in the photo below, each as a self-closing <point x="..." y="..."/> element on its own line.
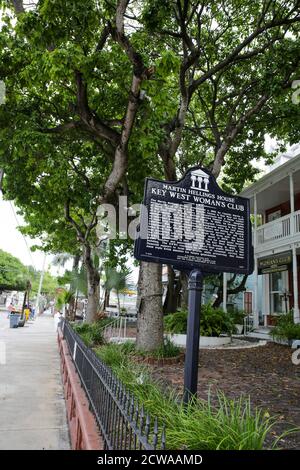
<point x="193" y="335"/>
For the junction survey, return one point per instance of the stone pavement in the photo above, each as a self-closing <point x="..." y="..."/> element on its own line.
<point x="32" y="405"/>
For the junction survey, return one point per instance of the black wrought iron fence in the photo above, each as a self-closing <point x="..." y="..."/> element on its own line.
<point x="123" y="423"/>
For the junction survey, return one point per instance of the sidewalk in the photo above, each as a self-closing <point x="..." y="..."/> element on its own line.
<point x="32" y="406"/>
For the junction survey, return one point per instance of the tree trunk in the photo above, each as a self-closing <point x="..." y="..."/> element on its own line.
<point x="118" y="300"/>
<point x="93" y="286"/>
<point x="93" y="301"/>
<point x="106" y="299"/>
<point x="184" y="301"/>
<point x="150" y="319"/>
<point x="75" y="306"/>
<point x="241" y="287"/>
<point x="170" y="304"/>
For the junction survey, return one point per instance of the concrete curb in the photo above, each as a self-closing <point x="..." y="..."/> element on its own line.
<point x="84" y="432"/>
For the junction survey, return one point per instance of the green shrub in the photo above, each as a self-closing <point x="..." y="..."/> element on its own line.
<point x="213" y="322"/>
<point x="176" y="323"/>
<point x="81" y="327"/>
<point x="238" y="317"/>
<point x="87" y="338"/>
<point x="285" y="328"/>
<point x="169" y="349"/>
<point x="229" y="425"/>
<point x="285" y="319"/>
<point x="91" y="333"/>
<point x="115" y="356"/>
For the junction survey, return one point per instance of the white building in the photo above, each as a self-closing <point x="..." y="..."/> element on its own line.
<point x="275" y="205"/>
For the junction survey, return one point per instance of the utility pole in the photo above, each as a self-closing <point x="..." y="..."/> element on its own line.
<point x="40" y="286"/>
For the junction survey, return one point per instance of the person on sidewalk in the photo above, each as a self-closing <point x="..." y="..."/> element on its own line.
<point x="11" y="308"/>
<point x="58" y="317"/>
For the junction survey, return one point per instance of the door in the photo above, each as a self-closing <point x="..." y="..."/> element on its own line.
<point x="278" y="284"/>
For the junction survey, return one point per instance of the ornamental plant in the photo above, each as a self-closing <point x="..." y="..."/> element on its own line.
<point x="213" y="322"/>
<point x="286" y="329"/>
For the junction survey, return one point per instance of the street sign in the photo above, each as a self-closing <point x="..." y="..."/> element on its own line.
<point x="193" y="224"/>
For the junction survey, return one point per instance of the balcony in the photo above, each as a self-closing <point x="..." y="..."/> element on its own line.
<point x="278" y="232"/>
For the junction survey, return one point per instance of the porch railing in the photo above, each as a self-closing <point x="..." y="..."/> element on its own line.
<point x="248" y="324"/>
<point x="122" y="421"/>
<point x="279" y="229"/>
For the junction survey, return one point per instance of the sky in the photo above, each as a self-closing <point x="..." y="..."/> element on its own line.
<point x="12" y="241"/>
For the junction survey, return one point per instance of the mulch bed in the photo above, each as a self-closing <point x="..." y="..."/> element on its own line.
<point x="266" y="374"/>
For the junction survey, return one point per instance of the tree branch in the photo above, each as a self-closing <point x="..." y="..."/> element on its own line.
<point x="234" y="55"/>
<point x="228" y="140"/>
<point x="102" y="39"/>
<point x="70" y="219"/>
<point x="18" y="6"/>
<point x="91" y="122"/>
<point x="139" y="73"/>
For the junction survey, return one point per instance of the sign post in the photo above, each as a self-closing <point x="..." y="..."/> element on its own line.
<point x="196" y="227"/>
<point x="193" y="334"/>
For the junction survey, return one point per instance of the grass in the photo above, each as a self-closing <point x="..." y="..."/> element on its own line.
<point x="91" y="333"/>
<point x="226" y="425"/>
<point x="168" y="349"/>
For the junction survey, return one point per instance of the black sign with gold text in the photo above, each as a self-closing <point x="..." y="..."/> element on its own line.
<point x="274" y="263"/>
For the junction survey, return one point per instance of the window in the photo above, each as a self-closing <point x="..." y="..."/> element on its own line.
<point x="248" y="302"/>
<point x="277" y="285"/>
<point x="274" y="215"/>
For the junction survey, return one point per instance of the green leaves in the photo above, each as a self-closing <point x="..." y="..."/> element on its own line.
<point x="167" y="63"/>
<point x="13" y="274"/>
<point x="49" y="150"/>
<point x="213" y="322"/>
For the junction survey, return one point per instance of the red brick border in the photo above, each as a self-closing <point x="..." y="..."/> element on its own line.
<point x="160" y="362"/>
<point x="84" y="432"/>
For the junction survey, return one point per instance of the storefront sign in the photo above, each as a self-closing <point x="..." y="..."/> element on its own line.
<point x="274" y="263"/>
<point x="277" y="269"/>
<point x="193" y="224"/>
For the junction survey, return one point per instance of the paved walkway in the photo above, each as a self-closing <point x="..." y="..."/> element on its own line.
<point x="32" y="406"/>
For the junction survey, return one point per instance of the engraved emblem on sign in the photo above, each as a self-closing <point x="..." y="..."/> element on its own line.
<point x="199" y="180"/>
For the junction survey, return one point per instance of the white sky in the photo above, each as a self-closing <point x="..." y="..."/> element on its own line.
<point x="12" y="241"/>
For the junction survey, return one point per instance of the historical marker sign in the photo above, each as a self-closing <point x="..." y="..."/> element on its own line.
<point x="193" y="224"/>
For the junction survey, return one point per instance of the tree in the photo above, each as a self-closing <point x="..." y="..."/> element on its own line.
<point x="54" y="102"/>
<point x="49" y="285"/>
<point x="147" y="88"/>
<point x="117" y="281"/>
<point x="235" y="284"/>
<point x="234" y="76"/>
<point x="47" y="189"/>
<point x="13" y="273"/>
